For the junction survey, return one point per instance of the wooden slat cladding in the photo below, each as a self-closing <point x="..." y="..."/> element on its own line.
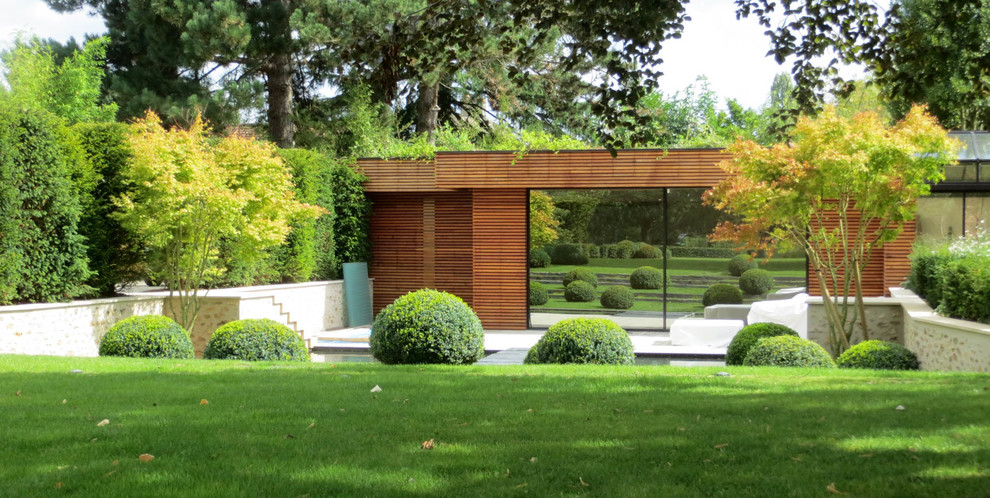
<point x="500" y="219"/>
<point x="896" y="264"/>
<point x="453" y="267"/>
<point x="421" y="240"/>
<point x="398" y="175"/>
<point x="580" y="169"/>
<point x="888" y="265"/>
<point x="397" y="246"/>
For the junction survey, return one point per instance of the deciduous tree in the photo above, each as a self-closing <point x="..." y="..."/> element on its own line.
<point x="839" y="190"/>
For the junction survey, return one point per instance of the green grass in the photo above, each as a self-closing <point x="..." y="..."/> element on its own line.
<point x="317" y="430"/>
<point x="782" y="267"/>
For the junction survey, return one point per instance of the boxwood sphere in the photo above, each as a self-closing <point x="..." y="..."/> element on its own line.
<point x="427" y="326"/>
<point x="583" y="340"/>
<point x="149" y="336"/>
<point x="646" y="277"/>
<point x="582" y="274"/>
<point x="538" y="294"/>
<point x="740" y="263"/>
<point x="568" y="254"/>
<point x="646" y="251"/>
<point x="721" y="294"/>
<point x="538" y="258"/>
<point x="579" y="291"/>
<point x="255" y="340"/>
<point x="878" y="355"/>
<point x="747" y="337"/>
<point x="787" y="351"/>
<point x="756" y="282"/>
<point x="618" y="297"/>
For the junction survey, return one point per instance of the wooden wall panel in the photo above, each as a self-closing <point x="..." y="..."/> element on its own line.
<point x="896" y="264"/>
<point x="421" y="240"/>
<point x="500" y="224"/>
<point x="580" y="169"/>
<point x="888" y="266"/>
<point x="397" y="246"/>
<point x="398" y="175"/>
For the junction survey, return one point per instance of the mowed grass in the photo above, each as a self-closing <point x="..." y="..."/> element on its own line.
<point x="780" y="267"/>
<point x="318" y="430"/>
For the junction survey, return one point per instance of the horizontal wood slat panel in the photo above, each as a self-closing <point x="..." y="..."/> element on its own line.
<point x="888" y="265"/>
<point x="454" y="254"/>
<point x="500" y="218"/>
<point x="398" y="175"/>
<point x="397" y="246"/>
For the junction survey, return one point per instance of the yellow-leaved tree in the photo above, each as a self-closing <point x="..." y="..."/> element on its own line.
<point x="839" y="189"/>
<point x="189" y="191"/>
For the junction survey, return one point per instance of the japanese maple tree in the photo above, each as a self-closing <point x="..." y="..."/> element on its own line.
<point x="839" y="189"/>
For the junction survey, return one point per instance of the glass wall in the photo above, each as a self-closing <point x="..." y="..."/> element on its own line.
<point x="947" y="215"/>
<point x="620" y="235"/>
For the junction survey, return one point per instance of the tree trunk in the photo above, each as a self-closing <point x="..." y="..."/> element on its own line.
<point x="279" y="88"/>
<point x="427" y="108"/>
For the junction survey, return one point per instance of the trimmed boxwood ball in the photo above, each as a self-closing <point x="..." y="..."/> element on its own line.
<point x="427" y="326"/>
<point x="646" y="277"/>
<point x="646" y="251"/>
<point x="787" y="351"/>
<point x="255" y="340"/>
<point x="149" y="336"/>
<point x="878" y="355"/>
<point x="538" y="258"/>
<point x="583" y="340"/>
<point x="756" y="282"/>
<point x="721" y="294"/>
<point x="582" y="274"/>
<point x="538" y="294"/>
<point x="740" y="263"/>
<point x="618" y="297"/>
<point x="747" y="337"/>
<point x="625" y="249"/>
<point x="579" y="291"/>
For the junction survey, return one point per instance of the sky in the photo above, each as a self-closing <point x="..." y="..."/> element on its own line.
<point x="730" y="53"/>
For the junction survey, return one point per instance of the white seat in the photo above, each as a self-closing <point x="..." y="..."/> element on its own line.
<point x="791" y="312"/>
<point x="702" y="332"/>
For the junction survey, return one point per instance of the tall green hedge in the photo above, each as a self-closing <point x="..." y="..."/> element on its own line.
<point x="114" y="253"/>
<point x="42" y="254"/>
<point x="350" y="227"/>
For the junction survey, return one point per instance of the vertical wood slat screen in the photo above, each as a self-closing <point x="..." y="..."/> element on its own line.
<point x="500" y="260"/>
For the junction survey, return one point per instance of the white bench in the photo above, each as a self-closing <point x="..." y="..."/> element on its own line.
<point x="702" y="332"/>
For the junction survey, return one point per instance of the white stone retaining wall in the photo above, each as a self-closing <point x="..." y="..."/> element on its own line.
<point x="943" y="344"/>
<point x="67" y="329"/>
<point x="884" y="320"/>
<point x="75" y="328"/>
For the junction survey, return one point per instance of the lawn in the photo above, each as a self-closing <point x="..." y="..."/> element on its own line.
<point x="780" y="267"/>
<point x="239" y="429"/>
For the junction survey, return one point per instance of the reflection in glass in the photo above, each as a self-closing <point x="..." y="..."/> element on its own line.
<point x="977" y="212"/>
<point x="940" y="215"/>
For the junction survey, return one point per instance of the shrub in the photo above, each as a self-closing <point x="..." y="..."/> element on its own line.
<point x="747" y="337"/>
<point x="538" y="258"/>
<point x="618" y="297"/>
<point x="42" y="253"/>
<point x="568" y="254"/>
<point x="538" y="294"/>
<point x="964" y="285"/>
<point x="582" y="274"/>
<point x="740" y="263"/>
<point x="625" y="249"/>
<point x="923" y="278"/>
<point x="756" y="282"/>
<point x="609" y="251"/>
<point x="114" y="253"/>
<point x="646" y="277"/>
<point x="593" y="250"/>
<point x="149" y="336"/>
<point x="787" y="351"/>
<point x="702" y="252"/>
<point x="878" y="355"/>
<point x="646" y="251"/>
<point x="427" y="326"/>
<point x="583" y="340"/>
<point x="579" y="291"/>
<point x="721" y="294"/>
<point x="255" y="340"/>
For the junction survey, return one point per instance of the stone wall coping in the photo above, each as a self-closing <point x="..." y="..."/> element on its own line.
<point x="918" y="310"/>
<point x="254" y="291"/>
<point x="18" y="308"/>
<point x="868" y="301"/>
